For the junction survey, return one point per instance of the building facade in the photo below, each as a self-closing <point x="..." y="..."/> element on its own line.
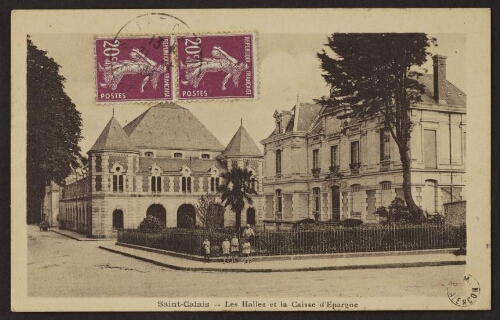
<point x="320" y="166"/>
<point x="159" y="164"/>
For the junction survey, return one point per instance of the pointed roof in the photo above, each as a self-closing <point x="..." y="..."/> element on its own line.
<point x="113" y="137"/>
<point x="241" y="145"/>
<point x="170" y="126"/>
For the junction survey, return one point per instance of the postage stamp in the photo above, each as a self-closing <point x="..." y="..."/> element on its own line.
<point x="216" y="66"/>
<point x="133" y="69"/>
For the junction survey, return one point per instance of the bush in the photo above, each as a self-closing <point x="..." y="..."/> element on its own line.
<point x="435" y="219"/>
<point x="151" y="224"/>
<point x="351" y="223"/>
<point x="397" y="212"/>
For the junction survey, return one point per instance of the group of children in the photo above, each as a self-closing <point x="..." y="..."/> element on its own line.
<point x="229" y="249"/>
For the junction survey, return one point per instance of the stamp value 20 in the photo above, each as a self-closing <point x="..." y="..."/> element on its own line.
<point x="133" y="69"/>
<point x="216" y="67"/>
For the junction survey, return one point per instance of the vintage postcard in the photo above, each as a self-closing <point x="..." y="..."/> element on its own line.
<point x="251" y="160"/>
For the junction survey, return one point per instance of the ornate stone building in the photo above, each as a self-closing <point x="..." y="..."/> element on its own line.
<point x="319" y="166"/>
<point x="159" y="164"/>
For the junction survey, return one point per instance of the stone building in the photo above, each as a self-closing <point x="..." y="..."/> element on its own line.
<point x="321" y="167"/>
<point x="158" y="164"/>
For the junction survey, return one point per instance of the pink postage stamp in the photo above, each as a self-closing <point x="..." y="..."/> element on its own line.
<point x="216" y="67"/>
<point x="133" y="69"/>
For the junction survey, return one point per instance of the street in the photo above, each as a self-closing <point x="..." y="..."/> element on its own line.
<point x="62" y="267"/>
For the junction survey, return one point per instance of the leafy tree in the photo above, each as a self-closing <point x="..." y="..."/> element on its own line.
<point x="209" y="212"/>
<point x="372" y="75"/>
<point x="53" y="128"/>
<point x="235" y="190"/>
<point x="396" y="212"/>
<point x="151" y="224"/>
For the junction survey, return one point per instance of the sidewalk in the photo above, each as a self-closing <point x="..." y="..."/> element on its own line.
<point x="78" y="236"/>
<point x="343" y="262"/>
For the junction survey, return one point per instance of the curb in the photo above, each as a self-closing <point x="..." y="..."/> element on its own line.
<point x="80" y="239"/>
<point x="292" y="257"/>
<point x="350" y="267"/>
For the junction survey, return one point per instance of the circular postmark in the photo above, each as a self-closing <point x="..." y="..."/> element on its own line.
<point x="465" y="292"/>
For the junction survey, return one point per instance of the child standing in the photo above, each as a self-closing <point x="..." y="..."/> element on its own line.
<point x="235" y="248"/>
<point x="226" y="245"/>
<point x="246" y="251"/>
<point x="206" y="250"/>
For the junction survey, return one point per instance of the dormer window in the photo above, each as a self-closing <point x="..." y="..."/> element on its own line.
<point x="205" y="156"/>
<point x="148" y="154"/>
<point x="177" y="155"/>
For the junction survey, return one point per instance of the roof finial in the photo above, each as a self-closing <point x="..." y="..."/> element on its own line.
<point x="241" y="122"/>
<point x="113" y="111"/>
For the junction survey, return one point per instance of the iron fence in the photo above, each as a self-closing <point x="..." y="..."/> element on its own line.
<point x="294" y="242"/>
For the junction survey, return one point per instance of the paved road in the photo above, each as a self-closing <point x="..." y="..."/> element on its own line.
<point x="62" y="267"/>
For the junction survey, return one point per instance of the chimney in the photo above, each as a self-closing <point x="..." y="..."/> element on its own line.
<point x="439" y="78"/>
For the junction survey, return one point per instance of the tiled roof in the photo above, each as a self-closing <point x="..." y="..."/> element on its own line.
<point x="453" y="95"/>
<point x="307" y="114"/>
<point x="113" y="138"/>
<point x="174" y="165"/>
<point x="241" y="145"/>
<point x="170" y="126"/>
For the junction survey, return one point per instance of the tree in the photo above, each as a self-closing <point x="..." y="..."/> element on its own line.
<point x="397" y="212"/>
<point x="235" y="190"/>
<point x="209" y="212"/>
<point x="151" y="224"/>
<point x="53" y="129"/>
<point x="372" y="75"/>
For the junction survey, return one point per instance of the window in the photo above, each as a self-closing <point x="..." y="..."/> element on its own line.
<point x="117" y="183"/>
<point x="177" y="155"/>
<point x="316" y="159"/>
<point x="355" y="152"/>
<point x="386" y="194"/>
<point x="155" y="184"/>
<point x="253" y="184"/>
<point x="317" y="200"/>
<point x="430" y="149"/>
<point x="278" y="162"/>
<point x="357" y="200"/>
<point x="186" y="184"/>
<point x="214" y="183"/>
<point x="334" y="155"/>
<point x="118" y="219"/>
<point x="386" y="185"/>
<point x="205" y="156"/>
<point x="148" y="154"/>
<point x="279" y="201"/>
<point x="278" y="126"/>
<point x="385" y="145"/>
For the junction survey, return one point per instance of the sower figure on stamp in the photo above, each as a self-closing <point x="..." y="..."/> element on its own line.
<point x="220" y="61"/>
<point x="235" y="248"/>
<point x="206" y="250"/>
<point x="113" y="71"/>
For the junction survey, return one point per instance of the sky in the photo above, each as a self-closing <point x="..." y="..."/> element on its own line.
<point x="288" y="70"/>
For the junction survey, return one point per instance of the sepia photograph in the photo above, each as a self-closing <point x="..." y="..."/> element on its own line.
<point x="213" y="160"/>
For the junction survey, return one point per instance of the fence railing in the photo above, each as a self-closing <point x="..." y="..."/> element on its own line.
<point x="293" y="242"/>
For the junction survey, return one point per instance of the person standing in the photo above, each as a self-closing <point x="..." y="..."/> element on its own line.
<point x="206" y="250"/>
<point x="235" y="248"/>
<point x="249" y="234"/>
<point x="226" y="246"/>
<point x="246" y="251"/>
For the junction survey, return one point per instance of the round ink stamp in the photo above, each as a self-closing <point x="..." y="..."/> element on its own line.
<point x="465" y="292"/>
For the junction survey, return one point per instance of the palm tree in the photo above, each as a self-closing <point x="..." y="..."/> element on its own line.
<point x="236" y="188"/>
